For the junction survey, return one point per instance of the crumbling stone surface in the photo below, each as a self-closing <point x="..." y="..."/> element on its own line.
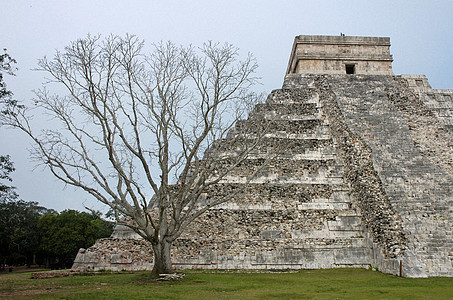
<point x="307" y="168"/>
<point x="298" y="94"/>
<point x="51" y="274"/>
<point x="428" y="122"/>
<point x="170" y="277"/>
<point x="284" y="110"/>
<point x="274" y="196"/>
<point x="283" y="146"/>
<point x="241" y="223"/>
<point x="366" y="187"/>
<point x="287" y="126"/>
<point x="362" y="177"/>
<point x="115" y="254"/>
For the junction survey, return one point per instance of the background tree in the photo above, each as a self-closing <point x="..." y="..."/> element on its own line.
<point x="7" y="192"/>
<point x="18" y="221"/>
<point x="19" y="235"/>
<point x="6" y="67"/>
<point x="62" y="235"/>
<point x="134" y="129"/>
<point x="29" y="233"/>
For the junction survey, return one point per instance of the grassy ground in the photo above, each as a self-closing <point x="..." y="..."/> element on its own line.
<point x="309" y="284"/>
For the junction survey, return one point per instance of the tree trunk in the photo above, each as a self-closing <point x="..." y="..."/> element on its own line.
<point x="162" y="258"/>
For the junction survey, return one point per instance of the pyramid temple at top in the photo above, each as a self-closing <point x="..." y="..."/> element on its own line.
<point x="365" y="180"/>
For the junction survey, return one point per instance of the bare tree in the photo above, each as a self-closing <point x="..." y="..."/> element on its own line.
<point x="139" y="132"/>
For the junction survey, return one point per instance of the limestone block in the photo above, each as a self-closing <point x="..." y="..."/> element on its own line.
<point x="271" y="234"/>
<point x="353" y="256"/>
<point x="345" y="223"/>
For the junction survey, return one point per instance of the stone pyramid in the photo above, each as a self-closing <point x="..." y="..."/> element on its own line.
<point x="365" y="178"/>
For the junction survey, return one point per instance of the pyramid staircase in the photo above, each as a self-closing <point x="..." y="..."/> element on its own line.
<point x="419" y="186"/>
<point x="295" y="213"/>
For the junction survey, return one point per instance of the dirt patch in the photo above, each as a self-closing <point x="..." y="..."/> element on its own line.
<point x="22" y="269"/>
<point x="29" y="292"/>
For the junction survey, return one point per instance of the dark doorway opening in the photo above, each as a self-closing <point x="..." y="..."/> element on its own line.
<point x="350" y="69"/>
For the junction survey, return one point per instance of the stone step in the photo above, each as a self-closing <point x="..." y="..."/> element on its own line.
<point x="323" y="134"/>
<point x="345" y="223"/>
<point x="274" y="179"/>
<point x="284" y="243"/>
<point x="288" y="198"/>
<point x="353" y="237"/>
<point x="300" y="206"/>
<point x="353" y="212"/>
<point x="289" y="96"/>
<point x="277" y="196"/>
<point x="282" y="146"/>
<point x="310" y="126"/>
<point x="280" y="109"/>
<point x="344" y="187"/>
<point x="320" y="154"/>
<point x="294" y="118"/>
<point x="305" y="168"/>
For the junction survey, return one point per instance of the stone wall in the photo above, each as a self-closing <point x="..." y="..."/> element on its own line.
<point x="115" y="254"/>
<point x="316" y="54"/>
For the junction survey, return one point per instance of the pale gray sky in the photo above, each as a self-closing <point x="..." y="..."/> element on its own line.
<point x="421" y="34"/>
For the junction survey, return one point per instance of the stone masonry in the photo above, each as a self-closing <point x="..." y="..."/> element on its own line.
<point x="364" y="177"/>
<point x="318" y="54"/>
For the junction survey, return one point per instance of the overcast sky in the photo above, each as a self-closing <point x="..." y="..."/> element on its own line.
<point x="421" y="35"/>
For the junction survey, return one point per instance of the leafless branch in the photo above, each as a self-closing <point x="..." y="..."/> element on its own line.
<point x="140" y="133"/>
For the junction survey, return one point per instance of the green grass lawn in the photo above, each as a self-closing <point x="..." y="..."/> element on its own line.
<point x="309" y="284"/>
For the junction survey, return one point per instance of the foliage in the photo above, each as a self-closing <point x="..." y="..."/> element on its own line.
<point x="6" y="165"/>
<point x="134" y="130"/>
<point x="7" y="192"/>
<point x="28" y="230"/>
<point x="62" y="235"/>
<point x="6" y="66"/>
<point x="23" y="228"/>
<point x="306" y="284"/>
<point x="19" y="237"/>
